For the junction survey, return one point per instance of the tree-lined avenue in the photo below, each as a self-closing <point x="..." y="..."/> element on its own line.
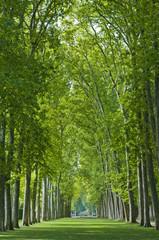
<point x="79" y="110"/>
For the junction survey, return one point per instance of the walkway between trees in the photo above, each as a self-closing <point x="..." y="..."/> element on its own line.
<point x="82" y="229"/>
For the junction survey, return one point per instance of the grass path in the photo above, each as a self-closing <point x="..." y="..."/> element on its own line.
<point x="82" y="229"/>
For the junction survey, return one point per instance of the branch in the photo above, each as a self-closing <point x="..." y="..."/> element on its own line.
<point x="33" y="15"/>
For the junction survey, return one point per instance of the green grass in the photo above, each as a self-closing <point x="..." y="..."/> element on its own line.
<point x="82" y="229"/>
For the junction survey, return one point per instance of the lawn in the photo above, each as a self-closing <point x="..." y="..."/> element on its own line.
<point x="82" y="229"/>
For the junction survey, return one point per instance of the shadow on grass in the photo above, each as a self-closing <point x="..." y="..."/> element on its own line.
<point x="82" y="229"/>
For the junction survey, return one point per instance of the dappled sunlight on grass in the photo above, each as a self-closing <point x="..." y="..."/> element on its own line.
<point x="82" y="229"/>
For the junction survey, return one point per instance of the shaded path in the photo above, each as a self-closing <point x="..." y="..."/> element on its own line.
<point x="82" y="229"/>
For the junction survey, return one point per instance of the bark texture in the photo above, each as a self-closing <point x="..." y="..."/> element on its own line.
<point x="153" y="189"/>
<point x="44" y="202"/>
<point x="34" y="195"/>
<point x="145" y="193"/>
<point x="140" y="193"/>
<point x="38" y="207"/>
<point x="2" y="169"/>
<point x="8" y="208"/>
<point x="26" y="208"/>
<point x="15" y="210"/>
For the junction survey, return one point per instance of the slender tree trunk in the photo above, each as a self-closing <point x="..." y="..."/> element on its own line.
<point x="140" y="194"/>
<point x="44" y="202"/>
<point x="104" y="205"/>
<point x="153" y="190"/>
<point x="156" y="97"/>
<point x="111" y="204"/>
<point x="2" y="186"/>
<point x="145" y="193"/>
<point x="55" y="213"/>
<point x="38" y="202"/>
<point x="68" y="207"/>
<point x="117" y="212"/>
<point x="2" y="170"/>
<point x="8" y="208"/>
<point x="62" y="206"/>
<point x="49" y="200"/>
<point x="151" y="213"/>
<point x="58" y="201"/>
<point x="126" y="211"/>
<point x="121" y="209"/>
<point x="52" y="202"/>
<point x="26" y="207"/>
<point x="98" y="212"/>
<point x="29" y="201"/>
<point x="34" y="195"/>
<point x="107" y="204"/>
<point x="132" y="217"/>
<point x="151" y="111"/>
<point x="58" y="206"/>
<point x="15" y="211"/>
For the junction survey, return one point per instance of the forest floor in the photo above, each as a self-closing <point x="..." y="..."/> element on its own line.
<point x="82" y="229"/>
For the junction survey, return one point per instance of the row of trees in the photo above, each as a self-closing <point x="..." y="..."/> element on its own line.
<point x="31" y="121"/>
<point x="79" y="97"/>
<point x="112" y="60"/>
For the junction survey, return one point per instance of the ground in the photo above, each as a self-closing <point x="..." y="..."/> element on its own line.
<point x="82" y="229"/>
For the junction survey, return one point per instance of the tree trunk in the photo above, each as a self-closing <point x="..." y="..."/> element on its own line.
<point x="68" y="207"/>
<point x="156" y="98"/>
<point x="44" y="202"/>
<point x="97" y="212"/>
<point x="151" y="213"/>
<point x="38" y="211"/>
<point x="8" y="208"/>
<point x="140" y="194"/>
<point x="55" y="194"/>
<point x="117" y="211"/>
<point x="106" y="204"/>
<point x="34" y="195"/>
<point x="121" y="209"/>
<point x="145" y="193"/>
<point x="58" y="201"/>
<point x="15" y="211"/>
<point x="111" y="204"/>
<point x="2" y="170"/>
<point x="2" y="186"/>
<point x="126" y="211"/>
<point x="151" y="111"/>
<point x="29" y="201"/>
<point x="49" y="200"/>
<point x="153" y="190"/>
<point x="62" y="207"/>
<point x="132" y="217"/>
<point x="52" y="202"/>
<point x="26" y="208"/>
<point x="58" y="197"/>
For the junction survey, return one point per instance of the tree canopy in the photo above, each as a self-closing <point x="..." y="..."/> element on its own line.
<point x="79" y="109"/>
